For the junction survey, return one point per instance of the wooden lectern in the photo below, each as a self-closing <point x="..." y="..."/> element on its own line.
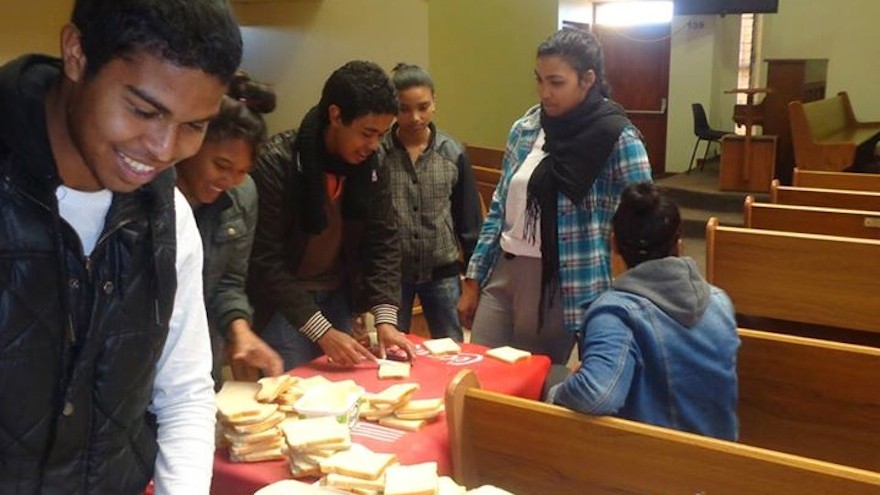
<point x="747" y="162"/>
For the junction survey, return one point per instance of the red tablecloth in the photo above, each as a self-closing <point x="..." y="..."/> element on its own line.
<point x="431" y="443"/>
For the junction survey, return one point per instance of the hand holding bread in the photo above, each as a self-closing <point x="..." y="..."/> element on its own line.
<point x="389" y="336"/>
<point x="343" y="349"/>
<point x="247" y="350"/>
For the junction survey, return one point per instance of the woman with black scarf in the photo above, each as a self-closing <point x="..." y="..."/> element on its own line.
<point x="543" y="254"/>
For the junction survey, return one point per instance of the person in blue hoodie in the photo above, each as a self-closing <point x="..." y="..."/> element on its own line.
<point x="660" y="346"/>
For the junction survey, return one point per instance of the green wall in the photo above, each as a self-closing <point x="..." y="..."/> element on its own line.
<point x="845" y="32"/>
<point x="482" y="58"/>
<point x="33" y="26"/>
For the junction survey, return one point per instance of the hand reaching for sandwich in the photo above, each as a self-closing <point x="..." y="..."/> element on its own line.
<point x="344" y="350"/>
<point x="389" y="336"/>
<point x="247" y="352"/>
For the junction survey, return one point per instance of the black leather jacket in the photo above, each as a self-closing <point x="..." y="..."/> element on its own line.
<point x="371" y="250"/>
<point x="79" y="336"/>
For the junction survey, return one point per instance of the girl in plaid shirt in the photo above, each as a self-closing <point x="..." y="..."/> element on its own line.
<point x="543" y="254"/>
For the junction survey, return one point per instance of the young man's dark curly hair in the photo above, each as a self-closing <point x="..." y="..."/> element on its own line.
<point x="198" y="34"/>
<point x="359" y="88"/>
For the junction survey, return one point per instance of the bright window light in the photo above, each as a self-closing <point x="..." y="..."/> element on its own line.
<point x="633" y="13"/>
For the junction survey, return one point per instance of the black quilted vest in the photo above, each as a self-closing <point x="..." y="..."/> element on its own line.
<point x="80" y="337"/>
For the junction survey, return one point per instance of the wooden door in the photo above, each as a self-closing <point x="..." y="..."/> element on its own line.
<point x="637" y="68"/>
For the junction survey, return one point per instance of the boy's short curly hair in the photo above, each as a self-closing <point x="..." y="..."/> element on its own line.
<point x="199" y="34"/>
<point x="358" y="88"/>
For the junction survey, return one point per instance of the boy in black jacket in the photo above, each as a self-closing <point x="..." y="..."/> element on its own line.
<point x="104" y="352"/>
<point x="326" y="242"/>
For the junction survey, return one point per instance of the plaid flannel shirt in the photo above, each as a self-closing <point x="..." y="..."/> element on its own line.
<point x="584" y="230"/>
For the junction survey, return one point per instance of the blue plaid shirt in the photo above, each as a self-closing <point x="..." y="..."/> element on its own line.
<point x="584" y="230"/>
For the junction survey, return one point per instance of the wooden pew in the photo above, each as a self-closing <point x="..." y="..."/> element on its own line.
<point x="818" y="280"/>
<point x="827" y="198"/>
<point x="826" y="135"/>
<point x="528" y="447"/>
<point x="810" y="397"/>
<point x="812" y="220"/>
<point x="836" y="180"/>
<point x="486" y="164"/>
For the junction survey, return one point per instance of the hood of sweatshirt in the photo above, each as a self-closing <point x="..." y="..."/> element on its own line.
<point x="673" y="283"/>
<point x="24" y="83"/>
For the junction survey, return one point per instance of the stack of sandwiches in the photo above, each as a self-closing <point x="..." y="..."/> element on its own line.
<point x="287" y="396"/>
<point x="394" y="408"/>
<point x="357" y="470"/>
<point x="363" y="472"/>
<point x="313" y="440"/>
<point x="249" y="428"/>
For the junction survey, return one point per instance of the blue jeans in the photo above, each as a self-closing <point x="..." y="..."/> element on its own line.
<point x="293" y="346"/>
<point x="439" y="300"/>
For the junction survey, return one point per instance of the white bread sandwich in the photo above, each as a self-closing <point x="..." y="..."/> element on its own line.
<point x="237" y="403"/>
<point x="260" y="455"/>
<point x="353" y="484"/>
<point x="439" y="347"/>
<point x="395" y="394"/>
<point x="273" y="386"/>
<point x="394" y="371"/>
<point x="358" y="462"/>
<point x="427" y="409"/>
<point x="273" y="420"/>
<point x="402" y="424"/>
<point x="291" y="487"/>
<point x="315" y="433"/>
<point x="448" y="486"/>
<point x="489" y="490"/>
<point x="416" y="479"/>
<point x="508" y="354"/>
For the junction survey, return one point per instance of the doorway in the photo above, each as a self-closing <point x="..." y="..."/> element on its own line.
<point x="637" y="68"/>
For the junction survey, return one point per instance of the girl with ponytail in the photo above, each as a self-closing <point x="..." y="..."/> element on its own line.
<point x="224" y="200"/>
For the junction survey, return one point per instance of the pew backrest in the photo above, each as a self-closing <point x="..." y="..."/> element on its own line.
<point x="826" y="198"/>
<point x="807" y="278"/>
<point x="486" y="165"/>
<point x="528" y="447"/>
<point x="809" y="219"/>
<point x="825" y="134"/>
<point x="810" y="397"/>
<point x="836" y="180"/>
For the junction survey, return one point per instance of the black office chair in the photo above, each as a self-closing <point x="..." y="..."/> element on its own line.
<point x="703" y="133"/>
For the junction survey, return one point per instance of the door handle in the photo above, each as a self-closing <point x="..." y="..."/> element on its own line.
<point x="662" y="110"/>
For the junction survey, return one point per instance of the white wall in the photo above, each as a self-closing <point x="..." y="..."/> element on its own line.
<point x="296" y="45"/>
<point x="690" y="81"/>
<point x="844" y="31"/>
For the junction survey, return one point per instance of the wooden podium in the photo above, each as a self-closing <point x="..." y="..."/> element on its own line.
<point x="747" y="167"/>
<point x="747" y="162"/>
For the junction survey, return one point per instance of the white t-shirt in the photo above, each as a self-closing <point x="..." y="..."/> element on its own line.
<point x="513" y="235"/>
<point x="183" y="391"/>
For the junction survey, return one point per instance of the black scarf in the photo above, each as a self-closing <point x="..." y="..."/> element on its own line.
<point x="578" y="145"/>
<point x="316" y="162"/>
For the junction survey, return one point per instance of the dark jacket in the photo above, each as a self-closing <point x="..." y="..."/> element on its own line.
<point x="437" y="206"/>
<point x="227" y="230"/>
<point x="79" y="337"/>
<point x="371" y="250"/>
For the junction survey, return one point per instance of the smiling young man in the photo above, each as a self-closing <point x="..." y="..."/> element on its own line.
<point x="105" y="378"/>
<point x="326" y="242"/>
